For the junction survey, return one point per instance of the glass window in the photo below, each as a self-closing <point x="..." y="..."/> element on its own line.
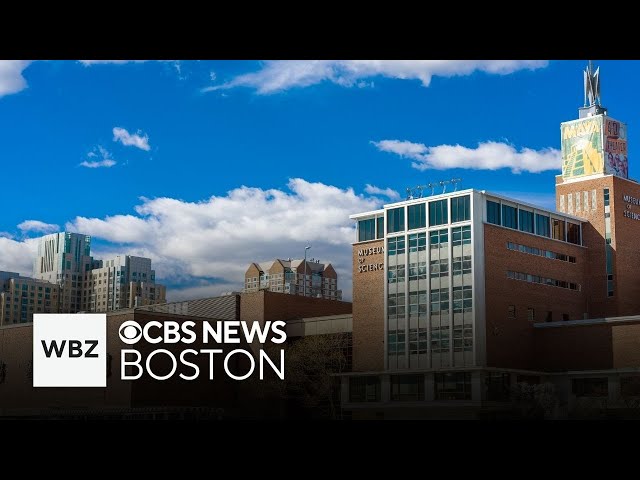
<point x="366" y="230"/>
<point x="396" y="342"/>
<point x="511" y="311"/>
<point x="493" y="212"/>
<point x="380" y="227"/>
<point x="590" y="387"/>
<point x="558" y="229"/>
<point x="395" y="220"/>
<point x="407" y="388"/>
<point x="460" y="209"/>
<point x="438" y="237"/>
<point x="509" y="216"/>
<point x="573" y="233"/>
<point x="364" y="389"/>
<point x="461" y="235"/>
<point x="453" y="386"/>
<point x="396" y="246"/>
<point x="542" y="225"/>
<point x="606" y="197"/>
<point x="531" y="314"/>
<point x="417" y="216"/>
<point x="526" y="221"/>
<point x="438" y="213"/>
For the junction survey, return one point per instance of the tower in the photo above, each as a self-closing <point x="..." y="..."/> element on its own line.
<point x="595" y="186"/>
<point x="64" y="259"/>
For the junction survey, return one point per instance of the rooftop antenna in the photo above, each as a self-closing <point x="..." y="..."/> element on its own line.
<point x="419" y="190"/>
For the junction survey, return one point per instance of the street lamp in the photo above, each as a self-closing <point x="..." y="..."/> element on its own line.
<point x="304" y="284"/>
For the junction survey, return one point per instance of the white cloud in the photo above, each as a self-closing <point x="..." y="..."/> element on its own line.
<point x="279" y="75"/>
<point x="11" y="79"/>
<point x="387" y="192"/>
<point x="16" y="256"/>
<point x="38" y="226"/>
<point x="220" y="236"/>
<point x="139" y="140"/>
<point x="212" y="75"/>
<point x="487" y="156"/>
<point x="88" y="63"/>
<point x="105" y="159"/>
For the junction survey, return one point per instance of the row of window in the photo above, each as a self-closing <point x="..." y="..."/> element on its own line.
<point x="531" y="314"/>
<point x="538" y="224"/>
<point x="446" y="386"/>
<point x="373" y="228"/>
<point x="527" y="277"/>
<point x="541" y="252"/>
<point x="437" y="239"/>
<point x="438" y="214"/>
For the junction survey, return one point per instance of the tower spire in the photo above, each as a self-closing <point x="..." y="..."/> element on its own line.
<point x="592" y="86"/>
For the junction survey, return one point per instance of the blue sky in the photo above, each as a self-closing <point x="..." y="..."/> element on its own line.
<point x="208" y="165"/>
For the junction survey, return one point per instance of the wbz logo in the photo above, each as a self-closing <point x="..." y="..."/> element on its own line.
<point x="69" y="350"/>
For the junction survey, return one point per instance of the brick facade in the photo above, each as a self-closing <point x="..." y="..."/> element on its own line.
<point x="368" y="309"/>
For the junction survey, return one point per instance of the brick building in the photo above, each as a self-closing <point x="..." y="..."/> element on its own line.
<point x="459" y="296"/>
<point x="295" y="277"/>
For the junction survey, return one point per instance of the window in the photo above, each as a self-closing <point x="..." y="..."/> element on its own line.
<point x="509" y="217"/>
<point x="526" y="221"/>
<point x="527" y="277"/>
<point x="439" y="300"/>
<point x="453" y="386"/>
<point x="531" y="314"/>
<point x="439" y="268"/>
<point x="557" y="229"/>
<point x="565" y="317"/>
<point x="573" y="233"/>
<point x="590" y="387"/>
<point x="364" y="389"/>
<point x="417" y="242"/>
<point x="606" y="197"/>
<point x="549" y="316"/>
<point x="511" y="311"/>
<point x="418" y="342"/>
<point x="438" y="214"/>
<point x="462" y="299"/>
<point x="417" y="216"/>
<point x="461" y="265"/>
<point x="395" y="342"/>
<point x="407" y="388"/>
<point x="460" y="209"/>
<point x="395" y="220"/>
<point x="380" y="227"/>
<point x="461" y="235"/>
<point x="366" y="230"/>
<point x="493" y="212"/>
<point x="438" y="238"/>
<point x="542" y="225"/>
<point x="543" y="253"/>
<point x="396" y="246"/>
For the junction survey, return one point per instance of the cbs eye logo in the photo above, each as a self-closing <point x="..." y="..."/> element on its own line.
<point x="130" y="332"/>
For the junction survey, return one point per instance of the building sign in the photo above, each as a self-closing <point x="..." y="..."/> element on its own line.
<point x="629" y="200"/>
<point x="368" y="264"/>
<point x="595" y="144"/>
<point x="581" y="142"/>
<point x="615" y="148"/>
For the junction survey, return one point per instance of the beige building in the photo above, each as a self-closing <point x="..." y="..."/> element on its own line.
<point x="21" y="297"/>
<point x="289" y="276"/>
<point x="124" y="281"/>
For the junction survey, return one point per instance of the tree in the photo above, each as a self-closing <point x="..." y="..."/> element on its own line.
<point x="309" y="383"/>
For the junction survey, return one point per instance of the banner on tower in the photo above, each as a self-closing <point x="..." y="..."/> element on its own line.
<point x="582" y="152"/>
<point x="615" y="148"/>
